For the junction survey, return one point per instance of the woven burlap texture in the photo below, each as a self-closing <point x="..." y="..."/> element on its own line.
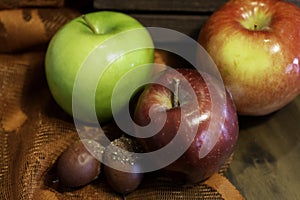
<point x="35" y="131"/>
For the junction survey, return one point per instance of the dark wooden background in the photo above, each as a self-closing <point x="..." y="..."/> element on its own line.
<point x="266" y="162"/>
<point x="186" y="16"/>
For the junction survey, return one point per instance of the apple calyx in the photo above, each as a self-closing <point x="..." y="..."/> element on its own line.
<point x="90" y="25"/>
<point x="175" y="102"/>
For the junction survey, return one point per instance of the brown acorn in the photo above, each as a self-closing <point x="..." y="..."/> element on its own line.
<point x="120" y="168"/>
<point x="77" y="166"/>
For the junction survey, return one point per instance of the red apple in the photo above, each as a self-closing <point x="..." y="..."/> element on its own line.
<point x="256" y="46"/>
<point x="190" y="116"/>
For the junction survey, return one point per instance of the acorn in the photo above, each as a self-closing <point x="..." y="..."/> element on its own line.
<point x="120" y="167"/>
<point x="77" y="166"/>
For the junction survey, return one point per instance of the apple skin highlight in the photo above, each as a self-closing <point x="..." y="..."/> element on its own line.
<point x="256" y="46"/>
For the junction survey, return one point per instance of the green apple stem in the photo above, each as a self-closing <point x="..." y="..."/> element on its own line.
<point x="176" y="93"/>
<point x="91" y="26"/>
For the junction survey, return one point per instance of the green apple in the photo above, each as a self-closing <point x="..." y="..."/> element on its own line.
<point x="71" y="48"/>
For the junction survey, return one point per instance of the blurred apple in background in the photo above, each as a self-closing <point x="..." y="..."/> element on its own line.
<point x="180" y="109"/>
<point x="74" y="42"/>
<point x="256" y="46"/>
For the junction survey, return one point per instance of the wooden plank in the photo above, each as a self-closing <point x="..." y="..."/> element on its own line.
<point x="160" y="5"/>
<point x="198" y="6"/>
<point x="187" y="24"/>
<point x="266" y="162"/>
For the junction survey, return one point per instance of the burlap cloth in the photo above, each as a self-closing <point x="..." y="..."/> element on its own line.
<point x="34" y="131"/>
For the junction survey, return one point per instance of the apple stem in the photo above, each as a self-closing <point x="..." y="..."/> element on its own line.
<point x="255" y="26"/>
<point x="91" y="26"/>
<point x="176" y="91"/>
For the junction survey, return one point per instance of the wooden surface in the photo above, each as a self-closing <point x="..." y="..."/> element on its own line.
<point x="186" y="16"/>
<point x="164" y="6"/>
<point x="187" y="24"/>
<point x="266" y="163"/>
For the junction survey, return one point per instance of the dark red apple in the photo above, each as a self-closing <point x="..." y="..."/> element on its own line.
<point x="189" y="115"/>
<point x="256" y="46"/>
